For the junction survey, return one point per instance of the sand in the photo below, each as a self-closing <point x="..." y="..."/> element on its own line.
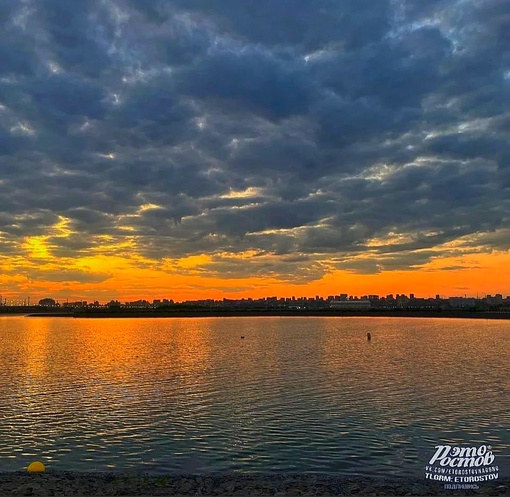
<point x="134" y="484"/>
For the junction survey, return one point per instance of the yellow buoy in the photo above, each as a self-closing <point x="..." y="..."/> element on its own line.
<point x="36" y="467"/>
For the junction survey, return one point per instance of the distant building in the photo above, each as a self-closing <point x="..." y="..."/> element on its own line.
<point x="461" y="302"/>
<point x="496" y="300"/>
<point x="79" y="303"/>
<point x="350" y="304"/>
<point x="47" y="303"/>
<point x="138" y="304"/>
<point x="159" y="302"/>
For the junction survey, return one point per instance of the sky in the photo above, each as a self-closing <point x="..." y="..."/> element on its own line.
<point x="193" y="149"/>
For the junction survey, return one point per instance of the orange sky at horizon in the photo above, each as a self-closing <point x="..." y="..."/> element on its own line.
<point x="190" y="279"/>
<point x="185" y="151"/>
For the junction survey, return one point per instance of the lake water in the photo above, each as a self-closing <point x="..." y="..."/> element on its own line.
<point x="295" y="395"/>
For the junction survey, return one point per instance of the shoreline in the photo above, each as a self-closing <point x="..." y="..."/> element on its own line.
<point x="60" y="483"/>
<point x="154" y="313"/>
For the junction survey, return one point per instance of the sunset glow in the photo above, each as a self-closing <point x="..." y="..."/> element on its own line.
<point x="178" y="151"/>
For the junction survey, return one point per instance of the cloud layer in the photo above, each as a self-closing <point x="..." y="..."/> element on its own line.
<point x="363" y="135"/>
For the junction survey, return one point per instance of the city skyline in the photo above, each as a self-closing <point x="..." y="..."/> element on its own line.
<point x="48" y="300"/>
<point x="194" y="149"/>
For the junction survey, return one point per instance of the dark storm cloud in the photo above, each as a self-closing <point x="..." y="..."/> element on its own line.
<point x="457" y="268"/>
<point x="297" y="272"/>
<point x="63" y="97"/>
<point x="295" y="128"/>
<point x="62" y="275"/>
<point x="296" y="23"/>
<point x="74" y="33"/>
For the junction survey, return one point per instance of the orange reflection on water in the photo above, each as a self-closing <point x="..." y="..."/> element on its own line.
<point x="35" y="341"/>
<point x="122" y="352"/>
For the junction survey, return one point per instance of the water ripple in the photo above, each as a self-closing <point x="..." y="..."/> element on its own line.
<point x="297" y="394"/>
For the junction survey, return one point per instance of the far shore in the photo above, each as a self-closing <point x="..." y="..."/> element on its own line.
<point x="155" y="313"/>
<point x="136" y="484"/>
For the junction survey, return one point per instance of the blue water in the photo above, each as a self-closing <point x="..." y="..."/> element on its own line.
<point x="295" y="395"/>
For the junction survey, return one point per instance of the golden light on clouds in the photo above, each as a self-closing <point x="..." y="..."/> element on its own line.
<point x="37" y="247"/>
<point x="193" y="261"/>
<point x="116" y="266"/>
<point x="248" y="193"/>
<point x="61" y="228"/>
<point x="130" y="276"/>
<point x="113" y="267"/>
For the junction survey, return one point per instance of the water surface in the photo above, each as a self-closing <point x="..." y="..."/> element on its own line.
<point x="295" y="395"/>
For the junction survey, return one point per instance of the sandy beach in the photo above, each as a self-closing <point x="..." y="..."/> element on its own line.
<point x="73" y="483"/>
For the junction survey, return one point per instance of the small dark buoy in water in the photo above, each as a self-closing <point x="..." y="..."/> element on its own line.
<point x="369" y="337"/>
<point x="242" y="337"/>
